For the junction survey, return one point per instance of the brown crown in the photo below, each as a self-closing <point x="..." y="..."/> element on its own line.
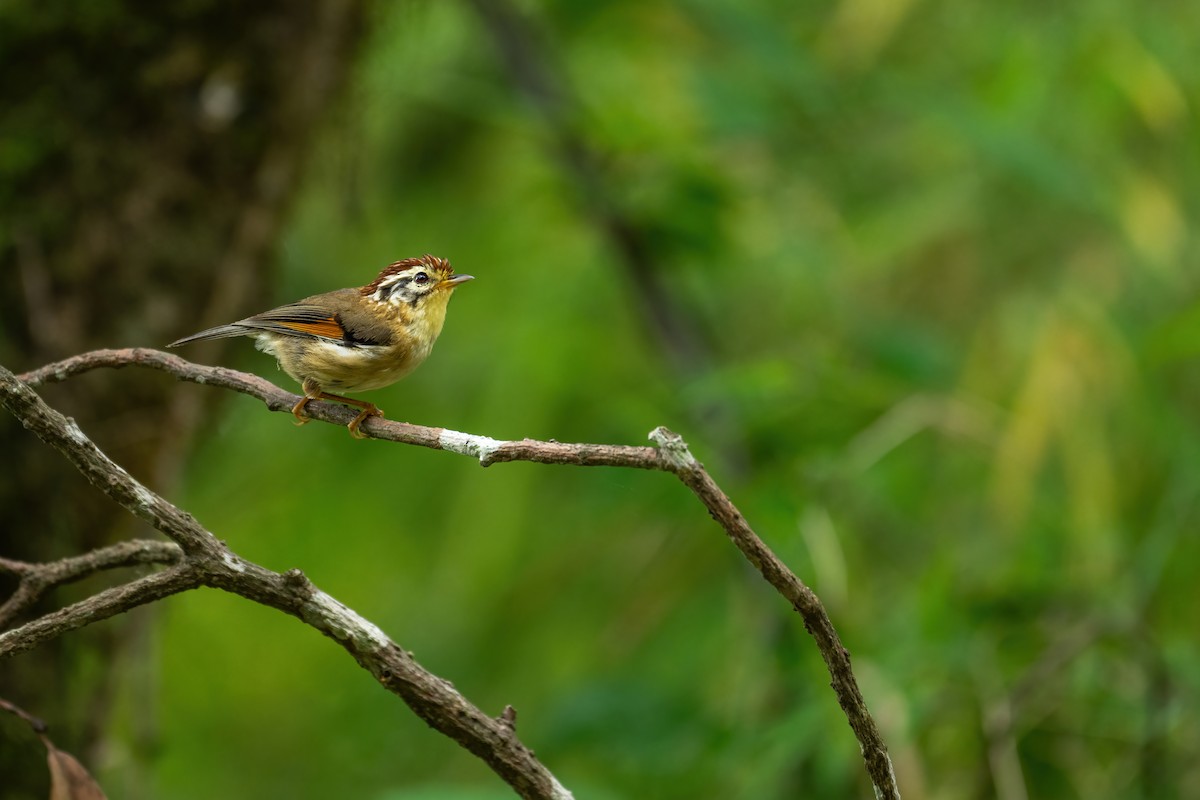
<point x="433" y="263"/>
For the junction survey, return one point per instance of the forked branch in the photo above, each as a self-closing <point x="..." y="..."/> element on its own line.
<point x="37" y="579"/>
<point x="426" y="694"/>
<point x="206" y="561"/>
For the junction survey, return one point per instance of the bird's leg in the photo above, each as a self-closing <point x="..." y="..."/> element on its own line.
<point x="313" y="392"/>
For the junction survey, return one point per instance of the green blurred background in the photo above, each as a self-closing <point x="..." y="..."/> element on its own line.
<point x="917" y="282"/>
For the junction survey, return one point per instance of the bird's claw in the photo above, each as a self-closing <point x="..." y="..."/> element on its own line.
<point x="373" y="411"/>
<point x="298" y="411"/>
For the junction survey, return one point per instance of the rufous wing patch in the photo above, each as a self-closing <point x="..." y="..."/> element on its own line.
<point x="328" y="327"/>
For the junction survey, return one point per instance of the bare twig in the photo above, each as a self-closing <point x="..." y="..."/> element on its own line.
<point x="670" y="455"/>
<point x="37" y="579"/>
<point x="108" y="603"/>
<point x="36" y="723"/>
<point x="802" y="598"/>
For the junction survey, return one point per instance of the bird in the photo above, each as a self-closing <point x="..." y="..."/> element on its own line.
<point x="356" y="339"/>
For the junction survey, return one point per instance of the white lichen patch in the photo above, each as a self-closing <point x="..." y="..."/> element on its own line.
<point x="468" y="444"/>
<point x="343" y="623"/>
<point x="143" y="497"/>
<point x="558" y="791"/>
<point x="673" y="448"/>
<point x="75" y="434"/>
<point x="235" y="564"/>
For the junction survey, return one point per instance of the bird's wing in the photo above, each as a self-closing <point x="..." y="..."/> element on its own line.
<point x="352" y="327"/>
<point x="361" y="327"/>
<point x="297" y="319"/>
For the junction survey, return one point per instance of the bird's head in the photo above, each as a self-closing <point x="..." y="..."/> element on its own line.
<point x="415" y="282"/>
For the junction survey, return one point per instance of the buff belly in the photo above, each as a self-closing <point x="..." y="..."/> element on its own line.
<point x="337" y="368"/>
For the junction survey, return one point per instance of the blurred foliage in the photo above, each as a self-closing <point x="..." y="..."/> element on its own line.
<point x="945" y="257"/>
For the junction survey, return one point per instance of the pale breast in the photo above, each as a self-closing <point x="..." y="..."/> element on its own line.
<point x="338" y="368"/>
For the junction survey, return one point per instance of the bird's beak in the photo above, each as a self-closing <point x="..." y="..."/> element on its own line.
<point x="457" y="279"/>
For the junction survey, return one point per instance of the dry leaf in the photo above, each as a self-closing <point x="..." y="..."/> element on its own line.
<point x="68" y="778"/>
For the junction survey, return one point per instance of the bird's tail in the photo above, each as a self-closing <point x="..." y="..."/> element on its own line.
<point x="219" y="332"/>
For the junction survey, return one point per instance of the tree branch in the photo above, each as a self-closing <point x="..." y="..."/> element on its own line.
<point x="802" y="598"/>
<point x="487" y="450"/>
<point x="108" y="603"/>
<point x="670" y="455"/>
<point x="206" y="561"/>
<point x="37" y="579"/>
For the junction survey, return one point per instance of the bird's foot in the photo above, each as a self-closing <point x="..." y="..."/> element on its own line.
<point x="298" y="411"/>
<point x="372" y="411"/>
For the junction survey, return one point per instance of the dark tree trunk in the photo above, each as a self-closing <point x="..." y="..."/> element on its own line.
<point x="147" y="155"/>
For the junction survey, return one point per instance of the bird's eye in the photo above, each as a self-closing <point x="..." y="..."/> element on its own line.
<point x="421" y="278"/>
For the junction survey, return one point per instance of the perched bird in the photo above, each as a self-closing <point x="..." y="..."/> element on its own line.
<point x="353" y="340"/>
